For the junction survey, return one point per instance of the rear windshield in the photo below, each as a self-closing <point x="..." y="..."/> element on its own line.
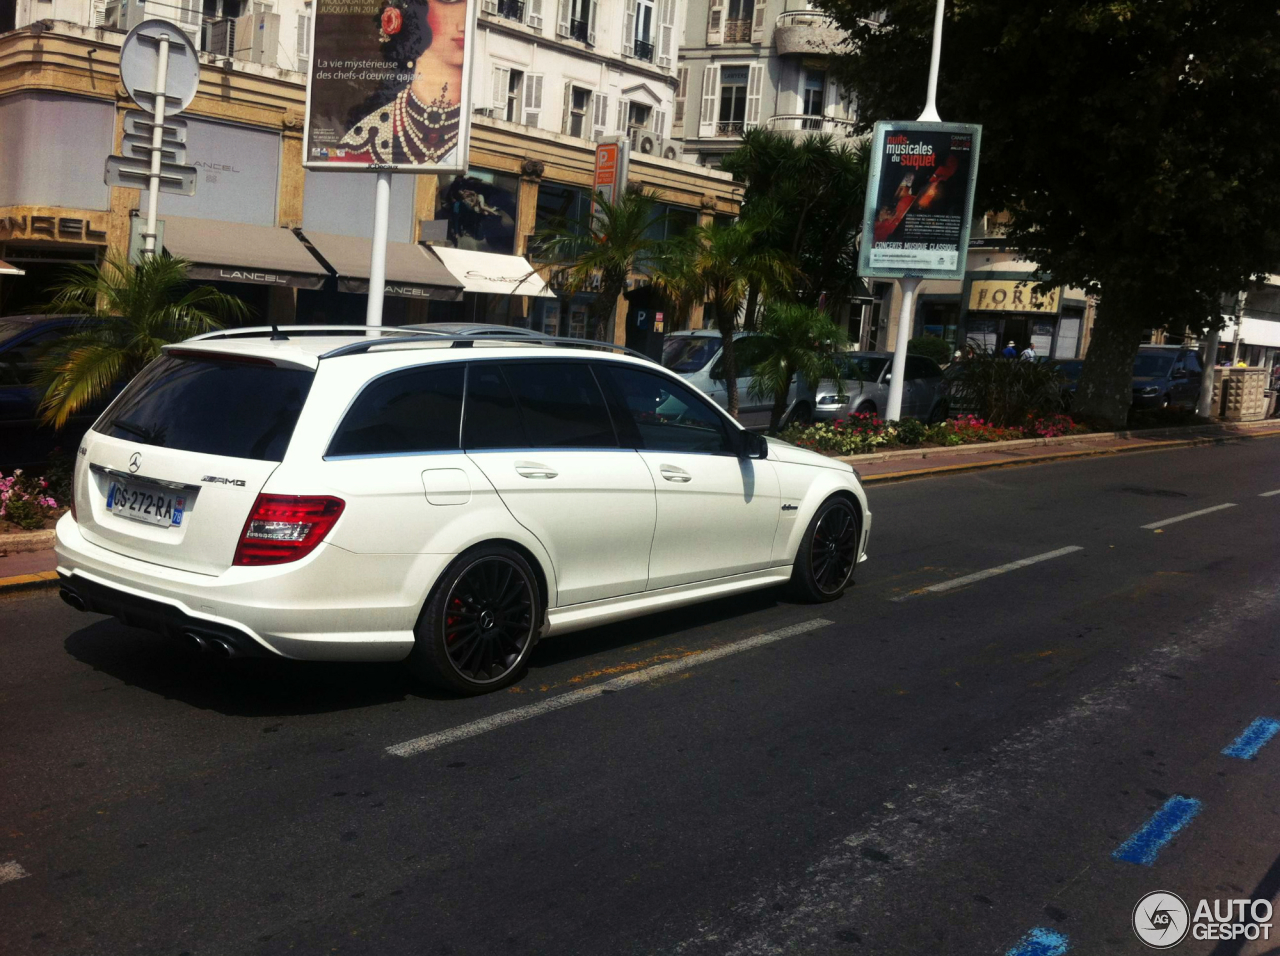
<point x="689" y="353"/>
<point x="212" y="407"/>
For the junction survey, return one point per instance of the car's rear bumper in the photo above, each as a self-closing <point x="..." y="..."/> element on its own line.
<point x="332" y="605"/>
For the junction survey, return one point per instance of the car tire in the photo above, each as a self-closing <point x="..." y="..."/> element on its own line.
<point x="866" y="408"/>
<point x="800" y="415"/>
<point x="828" y="552"/>
<point x="480" y="623"/>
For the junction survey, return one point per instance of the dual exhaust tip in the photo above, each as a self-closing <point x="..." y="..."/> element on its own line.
<point x="200" y="641"/>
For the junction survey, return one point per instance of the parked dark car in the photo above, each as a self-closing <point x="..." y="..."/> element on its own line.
<point x="1070" y="370"/>
<point x="1166" y="376"/>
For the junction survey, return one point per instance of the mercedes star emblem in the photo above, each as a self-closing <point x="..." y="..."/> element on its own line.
<point x="135" y="462"/>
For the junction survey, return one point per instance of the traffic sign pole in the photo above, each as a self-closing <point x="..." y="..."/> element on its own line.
<point x="157" y="138"/>
<point x="378" y="257"/>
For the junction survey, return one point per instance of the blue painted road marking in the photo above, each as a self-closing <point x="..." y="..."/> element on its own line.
<point x="1040" y="942"/>
<point x="1247" y="745"/>
<point x="1143" y="847"/>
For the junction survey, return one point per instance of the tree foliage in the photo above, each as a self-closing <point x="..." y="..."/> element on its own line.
<point x="807" y="195"/>
<point x="794" y="341"/>
<point x="1129" y="142"/>
<point x="136" y="310"/>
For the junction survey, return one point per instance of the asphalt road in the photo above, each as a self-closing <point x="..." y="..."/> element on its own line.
<point x="933" y="771"/>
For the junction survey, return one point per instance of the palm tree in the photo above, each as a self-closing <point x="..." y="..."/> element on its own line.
<point x="615" y="245"/>
<point x="717" y="265"/>
<point x="134" y="310"/>
<point x="793" y="339"/>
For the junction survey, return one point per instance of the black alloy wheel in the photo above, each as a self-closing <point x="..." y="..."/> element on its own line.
<point x="828" y="551"/>
<point x="480" y="623"/>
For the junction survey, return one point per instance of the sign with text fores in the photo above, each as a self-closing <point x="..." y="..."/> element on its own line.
<point x="390" y="85"/>
<point x="1011" y="295"/>
<point x="919" y="200"/>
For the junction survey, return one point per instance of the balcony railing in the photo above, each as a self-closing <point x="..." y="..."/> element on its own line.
<point x="737" y="31"/>
<point x="805" y="18"/>
<point x="729" y="129"/>
<point x="578" y="30"/>
<point x="807" y="32"/>
<point x="799" y="124"/>
<point x="644" y="51"/>
<point x="511" y="10"/>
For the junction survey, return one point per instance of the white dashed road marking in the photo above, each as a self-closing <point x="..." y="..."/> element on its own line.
<point x="12" y="871"/>
<point x="1268" y="494"/>
<point x="1191" y="514"/>
<point x="486" y="724"/>
<point x="990" y="572"/>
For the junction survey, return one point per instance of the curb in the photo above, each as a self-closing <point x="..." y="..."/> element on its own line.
<point x="1052" y="456"/>
<point x="28" y="582"/>
<point x="28" y="541"/>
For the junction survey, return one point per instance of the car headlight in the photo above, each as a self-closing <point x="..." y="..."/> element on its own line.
<point x="1150" y="391"/>
<point x="832" y="400"/>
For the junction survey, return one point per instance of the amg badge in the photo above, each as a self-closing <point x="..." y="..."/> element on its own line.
<point x="215" y="480"/>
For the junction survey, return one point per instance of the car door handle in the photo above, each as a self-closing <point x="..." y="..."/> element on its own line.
<point x="532" y="469"/>
<point x="671" y="473"/>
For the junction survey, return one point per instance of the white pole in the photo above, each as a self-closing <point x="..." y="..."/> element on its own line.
<point x="157" y="139"/>
<point x="930" y="114"/>
<point x="898" y="375"/>
<point x="1204" y="406"/>
<point x="378" y="256"/>
<point x="911" y="283"/>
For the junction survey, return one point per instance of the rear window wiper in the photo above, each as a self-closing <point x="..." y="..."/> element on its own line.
<point x="142" y="431"/>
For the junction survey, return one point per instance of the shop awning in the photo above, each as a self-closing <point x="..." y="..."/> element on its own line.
<point x="8" y="270"/>
<point x="236" y="252"/>
<point x="1265" y="332"/>
<point x="492" y="272"/>
<point x="411" y="273"/>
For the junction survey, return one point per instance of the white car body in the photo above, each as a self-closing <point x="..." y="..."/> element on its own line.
<point x="614" y="533"/>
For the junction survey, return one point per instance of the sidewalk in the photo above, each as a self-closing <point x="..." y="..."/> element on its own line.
<point x="27" y="561"/>
<point x="922" y="462"/>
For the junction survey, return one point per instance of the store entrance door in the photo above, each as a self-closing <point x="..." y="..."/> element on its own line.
<point x="1015" y="329"/>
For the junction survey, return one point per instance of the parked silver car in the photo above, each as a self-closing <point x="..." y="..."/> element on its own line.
<point x="696" y="357"/>
<point x="866" y="388"/>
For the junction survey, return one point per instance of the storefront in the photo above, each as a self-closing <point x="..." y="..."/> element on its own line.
<point x="497" y="288"/>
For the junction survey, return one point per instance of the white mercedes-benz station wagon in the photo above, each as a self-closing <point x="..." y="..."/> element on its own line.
<point x="442" y="499"/>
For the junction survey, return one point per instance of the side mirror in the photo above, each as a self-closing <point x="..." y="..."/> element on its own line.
<point x="752" y="445"/>
<point x="1179" y="373"/>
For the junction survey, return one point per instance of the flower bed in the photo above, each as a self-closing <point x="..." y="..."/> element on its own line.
<point x="862" y="433"/>
<point x="27" y="503"/>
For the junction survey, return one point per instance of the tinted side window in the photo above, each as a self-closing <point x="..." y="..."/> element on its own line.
<point x="414" y="411"/>
<point x="492" y="419"/>
<point x="1193" y="363"/>
<point x="666" y="416"/>
<point x="918" y="368"/>
<point x="561" y="405"/>
<point x="230" y="408"/>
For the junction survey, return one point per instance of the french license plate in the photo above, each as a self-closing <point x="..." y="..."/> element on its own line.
<point x="148" y="503"/>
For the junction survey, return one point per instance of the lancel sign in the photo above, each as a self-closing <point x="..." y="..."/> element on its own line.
<point x="53" y="227"/>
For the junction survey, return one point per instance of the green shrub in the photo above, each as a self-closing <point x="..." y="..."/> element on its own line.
<point x="931" y="347"/>
<point x="911" y="431"/>
<point x="1007" y="392"/>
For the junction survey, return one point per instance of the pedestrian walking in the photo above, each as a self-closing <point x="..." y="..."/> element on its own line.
<point x="1010" y="350"/>
<point x="1028" y="354"/>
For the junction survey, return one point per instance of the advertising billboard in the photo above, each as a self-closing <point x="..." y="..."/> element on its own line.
<point x="390" y="85"/>
<point x="919" y="200"/>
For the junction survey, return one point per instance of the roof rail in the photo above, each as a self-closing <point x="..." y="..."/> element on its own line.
<point x="268" y="331"/>
<point x="467" y="341"/>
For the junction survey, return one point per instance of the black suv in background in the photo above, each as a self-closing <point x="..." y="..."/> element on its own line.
<point x="1166" y="376"/>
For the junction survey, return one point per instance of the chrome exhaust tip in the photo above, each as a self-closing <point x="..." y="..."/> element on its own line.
<point x="70" y="597"/>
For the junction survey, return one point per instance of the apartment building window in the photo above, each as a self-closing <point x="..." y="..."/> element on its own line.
<point x="815" y="85"/>
<point x="682" y="93"/>
<point x="304" y="43"/>
<point x="576" y="20"/>
<point x="515" y="96"/>
<point x="579" y="106"/>
<point x="639" y="29"/>
<point x="511" y="10"/>
<point x="520" y="11"/>
<point x="737" y="25"/>
<point x="733" y="100"/>
<point x="639" y="115"/>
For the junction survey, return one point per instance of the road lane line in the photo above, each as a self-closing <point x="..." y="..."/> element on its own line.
<point x="1041" y="942"/>
<point x="1190" y="514"/>
<point x="485" y="724"/>
<point x="1247" y="745"/>
<point x="1143" y="847"/>
<point x="12" y="871"/>
<point x="1268" y="494"/>
<point x="989" y="573"/>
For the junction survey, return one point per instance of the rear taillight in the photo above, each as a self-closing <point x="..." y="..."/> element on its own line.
<point x="283" y="528"/>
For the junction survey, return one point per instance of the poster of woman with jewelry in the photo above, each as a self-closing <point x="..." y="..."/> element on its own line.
<point x="388" y="85"/>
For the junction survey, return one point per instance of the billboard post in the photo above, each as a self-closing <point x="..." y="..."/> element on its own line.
<point x="389" y="90"/>
<point x="919" y="207"/>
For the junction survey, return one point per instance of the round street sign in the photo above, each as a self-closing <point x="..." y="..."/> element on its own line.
<point x="139" y="56"/>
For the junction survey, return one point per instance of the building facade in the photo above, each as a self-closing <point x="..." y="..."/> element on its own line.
<point x="749" y="63"/>
<point x="62" y="111"/>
